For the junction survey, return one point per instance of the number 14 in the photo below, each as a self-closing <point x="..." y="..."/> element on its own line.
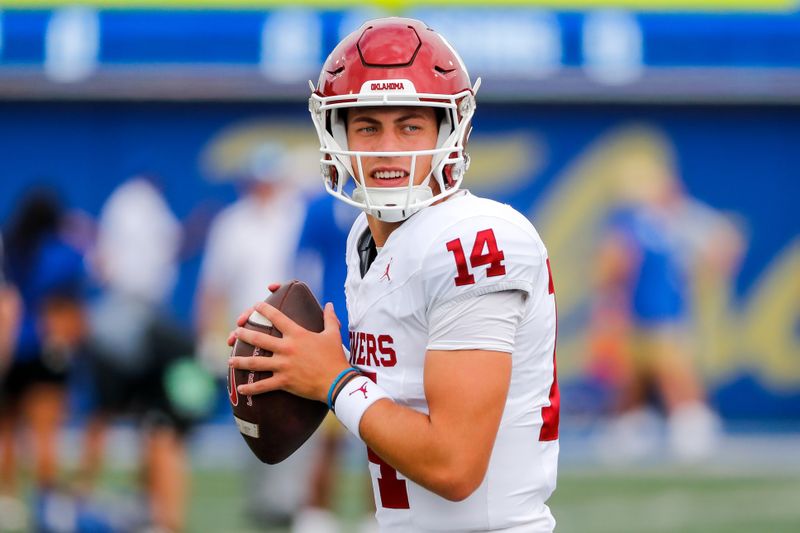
<point x="493" y="257"/>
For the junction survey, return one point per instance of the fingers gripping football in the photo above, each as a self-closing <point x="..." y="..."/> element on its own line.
<point x="241" y="320"/>
<point x="303" y="362"/>
<point x="277" y="345"/>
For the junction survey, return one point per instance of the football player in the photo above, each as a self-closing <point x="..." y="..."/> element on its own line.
<point x="450" y="376"/>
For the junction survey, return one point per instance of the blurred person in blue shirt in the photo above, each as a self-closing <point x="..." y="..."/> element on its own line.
<point x="642" y="322"/>
<point x="49" y="275"/>
<point x="250" y="244"/>
<point x="320" y="251"/>
<point x="321" y="263"/>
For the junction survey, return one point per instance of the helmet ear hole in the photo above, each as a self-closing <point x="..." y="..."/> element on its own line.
<point x="334" y="178"/>
<point x="447" y="173"/>
<point x="331" y="173"/>
<point x="450" y="172"/>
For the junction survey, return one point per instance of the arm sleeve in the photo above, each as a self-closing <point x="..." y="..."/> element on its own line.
<point x="484" y="322"/>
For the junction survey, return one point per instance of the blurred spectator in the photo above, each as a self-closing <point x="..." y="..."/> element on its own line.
<point x="321" y="264"/>
<point x="12" y="511"/>
<point x="250" y="245"/>
<point x="9" y="316"/>
<point x="135" y="343"/>
<point x="642" y="334"/>
<point x="320" y="260"/>
<point x="50" y="278"/>
<point x="138" y="241"/>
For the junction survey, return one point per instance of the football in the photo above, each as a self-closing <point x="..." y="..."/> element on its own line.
<point x="275" y="424"/>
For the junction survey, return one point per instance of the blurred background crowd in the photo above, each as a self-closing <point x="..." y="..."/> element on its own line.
<point x="159" y="170"/>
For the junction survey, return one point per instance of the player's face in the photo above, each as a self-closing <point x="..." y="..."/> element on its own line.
<point x="391" y="129"/>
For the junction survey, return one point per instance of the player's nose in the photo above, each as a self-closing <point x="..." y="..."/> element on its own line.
<point x="387" y="141"/>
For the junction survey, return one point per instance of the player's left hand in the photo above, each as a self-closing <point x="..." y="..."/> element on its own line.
<point x="303" y="362"/>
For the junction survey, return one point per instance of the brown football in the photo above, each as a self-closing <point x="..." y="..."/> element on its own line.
<point x="275" y="424"/>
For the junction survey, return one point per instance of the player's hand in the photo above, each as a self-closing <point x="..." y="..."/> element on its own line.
<point x="303" y="362"/>
<point x="241" y="320"/>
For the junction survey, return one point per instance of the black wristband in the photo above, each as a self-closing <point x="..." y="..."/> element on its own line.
<point x="345" y="380"/>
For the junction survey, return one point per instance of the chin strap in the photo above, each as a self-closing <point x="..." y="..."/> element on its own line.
<point x="384" y="202"/>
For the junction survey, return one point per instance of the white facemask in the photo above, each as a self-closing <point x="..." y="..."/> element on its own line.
<point x="449" y="162"/>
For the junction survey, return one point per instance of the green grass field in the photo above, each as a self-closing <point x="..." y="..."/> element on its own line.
<point x="593" y="501"/>
<point x="668" y="501"/>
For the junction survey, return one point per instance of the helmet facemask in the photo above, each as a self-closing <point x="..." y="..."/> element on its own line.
<point x="393" y="204"/>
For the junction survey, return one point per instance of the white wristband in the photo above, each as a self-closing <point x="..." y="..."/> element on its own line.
<point x="354" y="399"/>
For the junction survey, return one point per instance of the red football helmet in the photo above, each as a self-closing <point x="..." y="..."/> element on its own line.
<point x="393" y="62"/>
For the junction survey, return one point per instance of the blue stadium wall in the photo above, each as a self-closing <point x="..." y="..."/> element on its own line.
<point x="740" y="159"/>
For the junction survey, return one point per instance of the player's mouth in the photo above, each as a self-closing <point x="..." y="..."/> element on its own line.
<point x="389" y="177"/>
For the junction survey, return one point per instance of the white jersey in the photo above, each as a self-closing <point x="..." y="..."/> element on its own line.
<point x="457" y="249"/>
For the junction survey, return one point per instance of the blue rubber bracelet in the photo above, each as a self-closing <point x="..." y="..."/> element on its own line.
<point x="336" y="381"/>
